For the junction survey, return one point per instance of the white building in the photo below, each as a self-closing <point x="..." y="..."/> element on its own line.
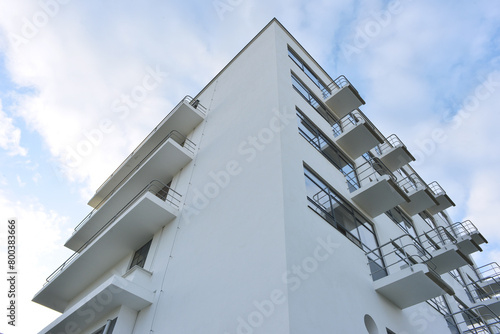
<point x="269" y="203"/>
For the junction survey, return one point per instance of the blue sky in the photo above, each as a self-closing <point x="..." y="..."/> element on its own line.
<point x="429" y="72"/>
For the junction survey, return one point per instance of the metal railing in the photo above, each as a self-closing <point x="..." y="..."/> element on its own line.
<point x="177" y="136"/>
<point x="188" y="100"/>
<point x="156" y="187"/>
<point x="373" y="169"/>
<point x="485" y="288"/>
<point x="347" y="122"/>
<point x="471" y="321"/>
<point x="389" y="143"/>
<point x="194" y="103"/>
<point x="463" y="229"/>
<point x="436" y="189"/>
<point x="412" y="183"/>
<point x="339" y="83"/>
<point x="404" y="251"/>
<point x="488" y="270"/>
<point x="436" y="238"/>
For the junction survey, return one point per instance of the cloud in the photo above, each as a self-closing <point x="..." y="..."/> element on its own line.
<point x="10" y="135"/>
<point x="39" y="232"/>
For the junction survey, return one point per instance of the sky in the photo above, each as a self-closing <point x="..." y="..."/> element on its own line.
<point x="428" y="70"/>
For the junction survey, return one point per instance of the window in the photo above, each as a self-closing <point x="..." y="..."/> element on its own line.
<point x="342" y="216"/>
<point x="140" y="255"/>
<point x="319" y="141"/>
<point x="163" y="192"/>
<point x="302" y="89"/>
<point x="402" y="220"/>
<point x="314" y="78"/>
<point x="110" y="326"/>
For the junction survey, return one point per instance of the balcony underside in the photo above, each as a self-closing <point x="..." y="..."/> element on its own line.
<point x="486" y="307"/>
<point x="467" y="245"/>
<point x="447" y="258"/>
<point x="169" y="159"/>
<point x="130" y="231"/>
<point x="444" y="201"/>
<point x="343" y="101"/>
<point x="411" y="285"/>
<point x="380" y="194"/>
<point x="183" y="119"/>
<point x="116" y="292"/>
<point x="396" y="157"/>
<point x="490" y="287"/>
<point x="358" y="139"/>
<point x="420" y="200"/>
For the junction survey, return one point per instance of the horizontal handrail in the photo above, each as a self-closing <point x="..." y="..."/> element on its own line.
<point x="174" y="134"/>
<point x="465" y="228"/>
<point x="339" y="83"/>
<point x="412" y="183"/>
<point x="156" y="187"/>
<point x="476" y="322"/>
<point x="177" y="136"/>
<point x="484" y="289"/>
<point x="187" y="99"/>
<point x="488" y="270"/>
<point x="194" y="103"/>
<point x="389" y="143"/>
<point x="437" y="238"/>
<point x="436" y="189"/>
<point x="402" y="251"/>
<point x="372" y="169"/>
<point x="349" y="121"/>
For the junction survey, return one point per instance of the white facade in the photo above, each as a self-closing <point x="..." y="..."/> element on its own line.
<point x="241" y="243"/>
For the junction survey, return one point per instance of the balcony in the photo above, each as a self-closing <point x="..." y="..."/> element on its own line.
<point x="165" y="160"/>
<point x="409" y="275"/>
<point x="152" y="208"/>
<point x="355" y="134"/>
<point x="489" y="275"/>
<point x="393" y="153"/>
<point x="379" y="190"/>
<point x="441" y="244"/>
<point x="486" y="294"/>
<point x="468" y="237"/>
<point x="421" y="196"/>
<point x="476" y="320"/>
<point x="177" y="125"/>
<point x="444" y="201"/>
<point x="344" y="97"/>
<point x="115" y="292"/>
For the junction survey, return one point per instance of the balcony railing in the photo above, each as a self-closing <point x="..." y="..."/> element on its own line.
<point x="402" y="252"/>
<point x="342" y="97"/>
<point x="355" y="134"/>
<point x="179" y="138"/>
<point x="443" y="199"/>
<point x="472" y="321"/>
<point x="488" y="270"/>
<point x="393" y="153"/>
<point x="337" y="84"/>
<point x="156" y="187"/>
<point x="372" y="169"/>
<point x="436" y="189"/>
<point x="485" y="289"/>
<point x="409" y="267"/>
<point x="379" y="190"/>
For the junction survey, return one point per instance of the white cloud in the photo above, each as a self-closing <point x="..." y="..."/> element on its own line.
<point x="39" y="234"/>
<point x="10" y="135"/>
<point x="20" y="182"/>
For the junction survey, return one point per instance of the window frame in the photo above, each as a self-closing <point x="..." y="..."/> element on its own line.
<point x="143" y="252"/>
